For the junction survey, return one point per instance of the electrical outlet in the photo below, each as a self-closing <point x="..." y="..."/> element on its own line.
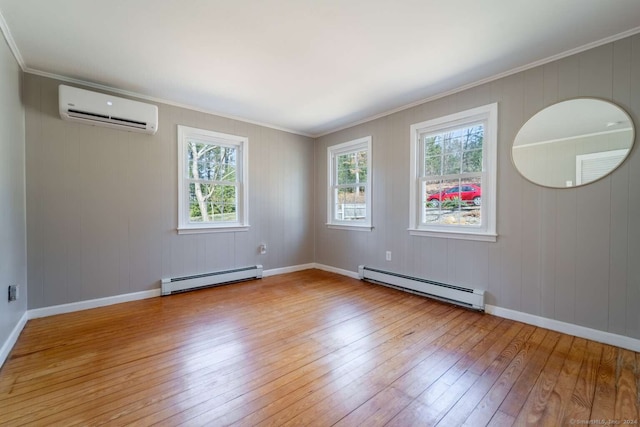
<point x="388" y="256"/>
<point x="13" y="292"/>
<point x="262" y="249"/>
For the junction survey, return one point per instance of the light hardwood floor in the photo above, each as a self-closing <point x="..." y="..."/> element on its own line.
<point x="308" y="348"/>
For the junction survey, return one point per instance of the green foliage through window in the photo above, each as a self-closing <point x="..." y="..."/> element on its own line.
<point x="349" y="183"/>
<point x="452" y="165"/>
<point x="213" y="192"/>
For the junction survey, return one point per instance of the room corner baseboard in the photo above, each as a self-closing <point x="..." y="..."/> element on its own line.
<point x="116" y="299"/>
<point x="352" y="274"/>
<point x="301" y="267"/>
<point x="93" y="303"/>
<point x="566" y="328"/>
<point x="555" y="325"/>
<point x="13" y="337"/>
<point x="285" y="270"/>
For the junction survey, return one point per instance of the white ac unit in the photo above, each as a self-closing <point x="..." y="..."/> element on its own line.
<point x="98" y="109"/>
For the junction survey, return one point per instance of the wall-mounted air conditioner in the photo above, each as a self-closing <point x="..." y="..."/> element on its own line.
<point x="98" y="109"/>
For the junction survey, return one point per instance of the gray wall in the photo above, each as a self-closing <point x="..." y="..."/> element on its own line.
<point x="102" y="203"/>
<point x="13" y="255"/>
<point x="567" y="254"/>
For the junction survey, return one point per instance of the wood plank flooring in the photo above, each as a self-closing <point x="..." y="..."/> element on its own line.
<point x="309" y="348"/>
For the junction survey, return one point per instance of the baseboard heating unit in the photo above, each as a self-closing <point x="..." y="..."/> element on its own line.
<point x="199" y="281"/>
<point x="466" y="297"/>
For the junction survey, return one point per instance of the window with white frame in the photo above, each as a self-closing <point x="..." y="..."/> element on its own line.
<point x="453" y="175"/>
<point x="212" y="181"/>
<point x="349" y="176"/>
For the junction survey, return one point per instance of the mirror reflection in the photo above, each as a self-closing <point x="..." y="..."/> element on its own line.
<point x="573" y="143"/>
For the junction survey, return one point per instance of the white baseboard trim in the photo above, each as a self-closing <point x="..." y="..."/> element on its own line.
<point x="93" y="303"/>
<point x="285" y="270"/>
<point x="117" y="299"/>
<point x="301" y="267"/>
<point x="543" y="322"/>
<point x="555" y="325"/>
<point x="101" y="302"/>
<point x="13" y="337"/>
<point x="566" y="328"/>
<point x="352" y="274"/>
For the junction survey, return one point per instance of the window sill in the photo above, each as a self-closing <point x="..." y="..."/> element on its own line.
<point x="217" y="229"/>
<point x="353" y="227"/>
<point x="457" y="234"/>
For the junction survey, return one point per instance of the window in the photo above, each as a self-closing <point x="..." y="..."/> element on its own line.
<point x="212" y="181"/>
<point x="349" y="173"/>
<point x="453" y="175"/>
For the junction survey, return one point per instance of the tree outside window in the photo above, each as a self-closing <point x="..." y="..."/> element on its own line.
<point x="453" y="175"/>
<point x="212" y="183"/>
<point x="349" y="199"/>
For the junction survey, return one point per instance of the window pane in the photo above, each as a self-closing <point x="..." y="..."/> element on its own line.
<point x="194" y="212"/>
<point x="351" y="168"/>
<point x="473" y="137"/>
<point x="452" y="163"/>
<point x="433" y="165"/>
<point x="452" y="141"/>
<point x="452" y="202"/>
<point x="211" y="162"/>
<point x="472" y="161"/>
<point x="351" y="203"/>
<point x="223" y="212"/>
<point x="454" y="152"/>
<point x="222" y="172"/>
<point x="432" y="191"/>
<point x="433" y="194"/>
<point x="345" y="168"/>
<point x="362" y="171"/>
<point x="471" y="191"/>
<point x="433" y="145"/>
<point x="212" y="203"/>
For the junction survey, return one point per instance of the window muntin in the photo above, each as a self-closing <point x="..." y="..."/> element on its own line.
<point x="212" y="180"/>
<point x="349" y="172"/>
<point x="453" y="175"/>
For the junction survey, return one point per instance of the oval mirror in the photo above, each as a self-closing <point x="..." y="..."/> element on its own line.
<point x="573" y="143"/>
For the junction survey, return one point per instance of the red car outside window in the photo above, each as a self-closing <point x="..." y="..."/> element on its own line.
<point x="466" y="192"/>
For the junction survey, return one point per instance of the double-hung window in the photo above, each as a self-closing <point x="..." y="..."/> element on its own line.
<point x="349" y="173"/>
<point x="453" y="175"/>
<point x="212" y="181"/>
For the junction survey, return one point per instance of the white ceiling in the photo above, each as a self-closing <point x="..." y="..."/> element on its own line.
<point x="308" y="66"/>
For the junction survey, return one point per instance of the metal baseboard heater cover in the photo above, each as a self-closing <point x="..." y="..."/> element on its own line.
<point x="199" y="281"/>
<point x="466" y="297"/>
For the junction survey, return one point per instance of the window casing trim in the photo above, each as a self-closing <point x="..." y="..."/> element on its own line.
<point x="241" y="143"/>
<point x="488" y="114"/>
<point x="333" y="151"/>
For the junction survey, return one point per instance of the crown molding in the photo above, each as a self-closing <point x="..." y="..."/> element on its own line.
<point x="11" y="42"/>
<point x="490" y="79"/>
<point x="16" y="53"/>
<point x="159" y="100"/>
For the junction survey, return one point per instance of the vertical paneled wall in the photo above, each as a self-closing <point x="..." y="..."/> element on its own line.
<point x="13" y="250"/>
<point x="102" y="203"/>
<point x="569" y="254"/>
